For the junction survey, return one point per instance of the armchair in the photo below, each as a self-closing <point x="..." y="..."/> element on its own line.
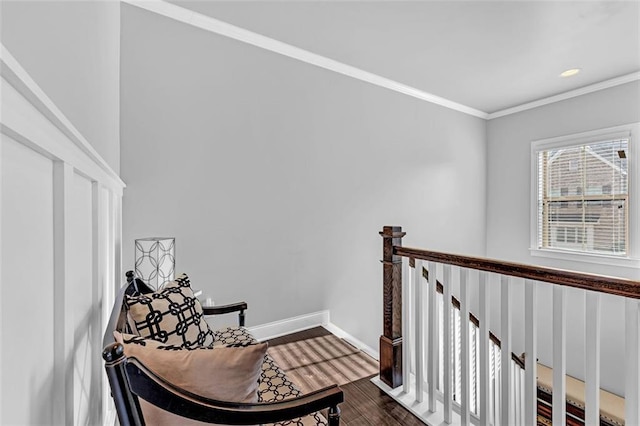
<point x="132" y="381"/>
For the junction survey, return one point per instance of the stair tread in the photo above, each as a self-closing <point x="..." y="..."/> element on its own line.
<point x="611" y="405"/>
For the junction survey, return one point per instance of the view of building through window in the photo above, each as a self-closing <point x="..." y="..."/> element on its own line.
<point x="583" y="197"/>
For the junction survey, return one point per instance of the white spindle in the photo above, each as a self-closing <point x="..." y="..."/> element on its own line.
<point x="440" y="351"/>
<point x="632" y="361"/>
<point x="476" y="369"/>
<point x="519" y="396"/>
<point x="456" y="354"/>
<point x="592" y="361"/>
<point x="492" y="388"/>
<point x="523" y="411"/>
<point x="446" y="314"/>
<point x="485" y="355"/>
<point x="515" y="392"/>
<point x="498" y="387"/>
<point x="559" y="355"/>
<point x="418" y="323"/>
<point x="432" y="358"/>
<point x="465" y="357"/>
<point x="531" y="352"/>
<point x="406" y="328"/>
<point x="505" y="341"/>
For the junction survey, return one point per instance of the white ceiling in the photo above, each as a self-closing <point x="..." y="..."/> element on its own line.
<point x="488" y="55"/>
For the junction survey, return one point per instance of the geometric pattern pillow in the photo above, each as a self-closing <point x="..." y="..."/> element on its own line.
<point x="232" y="336"/>
<point x="276" y="386"/>
<point x="172" y="315"/>
<point x="274" y="383"/>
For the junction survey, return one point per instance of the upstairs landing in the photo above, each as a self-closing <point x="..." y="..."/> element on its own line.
<point x="320" y="357"/>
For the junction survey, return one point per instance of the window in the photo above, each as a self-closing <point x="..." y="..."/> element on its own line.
<point x="581" y="195"/>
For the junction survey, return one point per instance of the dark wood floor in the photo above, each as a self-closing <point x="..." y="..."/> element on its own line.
<point x="364" y="403"/>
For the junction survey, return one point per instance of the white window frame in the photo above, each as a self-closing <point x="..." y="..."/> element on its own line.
<point x="630" y="131"/>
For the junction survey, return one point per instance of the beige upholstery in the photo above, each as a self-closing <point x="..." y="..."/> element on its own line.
<point x="274" y="384"/>
<point x="222" y="373"/>
<point x="226" y="364"/>
<point x="260" y="379"/>
<point x="611" y="405"/>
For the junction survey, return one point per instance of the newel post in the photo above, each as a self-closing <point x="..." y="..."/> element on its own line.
<point x="391" y="339"/>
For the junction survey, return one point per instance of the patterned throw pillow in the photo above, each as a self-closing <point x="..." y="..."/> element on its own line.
<point x="172" y="315"/>
<point x="221" y="373"/>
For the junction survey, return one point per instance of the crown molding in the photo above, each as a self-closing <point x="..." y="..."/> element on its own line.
<point x="216" y="26"/>
<point x="567" y="95"/>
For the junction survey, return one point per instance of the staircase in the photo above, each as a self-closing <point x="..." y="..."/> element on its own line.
<point x="443" y="363"/>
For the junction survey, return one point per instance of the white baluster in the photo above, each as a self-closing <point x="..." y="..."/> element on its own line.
<point x="455" y="359"/>
<point x="523" y="411"/>
<point x="632" y="361"/>
<point x="465" y="356"/>
<point x="491" y="389"/>
<point x="406" y="328"/>
<point x="505" y="341"/>
<point x="418" y="288"/>
<point x="496" y="385"/>
<point x="519" y="396"/>
<point x="446" y="292"/>
<point x="531" y="352"/>
<point x="484" y="350"/>
<point x="440" y="368"/>
<point x="432" y="358"/>
<point x="592" y="361"/>
<point x="492" y="384"/>
<point x="559" y="355"/>
<point x="515" y="392"/>
<point x="499" y="394"/>
<point x="476" y="369"/>
<point x="498" y="388"/>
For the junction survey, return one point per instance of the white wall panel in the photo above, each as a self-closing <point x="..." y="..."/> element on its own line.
<point x="27" y="285"/>
<point x="60" y="231"/>
<point x="85" y="319"/>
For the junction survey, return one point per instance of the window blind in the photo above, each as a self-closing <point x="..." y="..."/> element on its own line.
<point x="583" y="197"/>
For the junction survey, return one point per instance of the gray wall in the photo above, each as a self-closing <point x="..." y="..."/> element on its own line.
<point x="275" y="176"/>
<point x="508" y="213"/>
<point x="72" y="50"/>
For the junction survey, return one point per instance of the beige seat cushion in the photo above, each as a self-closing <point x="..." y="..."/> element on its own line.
<point x="274" y="383"/>
<point x="221" y="373"/>
<point x="611" y="405"/>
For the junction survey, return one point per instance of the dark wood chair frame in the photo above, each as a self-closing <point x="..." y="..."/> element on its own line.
<point x="130" y="380"/>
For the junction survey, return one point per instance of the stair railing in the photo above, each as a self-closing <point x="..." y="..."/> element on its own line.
<point x="473" y="324"/>
<point x="418" y="335"/>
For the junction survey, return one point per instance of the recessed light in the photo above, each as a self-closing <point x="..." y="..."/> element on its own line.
<point x="570" y="73"/>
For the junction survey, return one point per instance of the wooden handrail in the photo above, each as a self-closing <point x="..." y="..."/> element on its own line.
<point x="610" y="285"/>
<point x="392" y="252"/>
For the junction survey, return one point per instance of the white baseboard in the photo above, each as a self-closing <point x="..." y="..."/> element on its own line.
<point x="334" y="329"/>
<point x="421" y="409"/>
<point x="286" y="326"/>
<point x="289" y="325"/>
